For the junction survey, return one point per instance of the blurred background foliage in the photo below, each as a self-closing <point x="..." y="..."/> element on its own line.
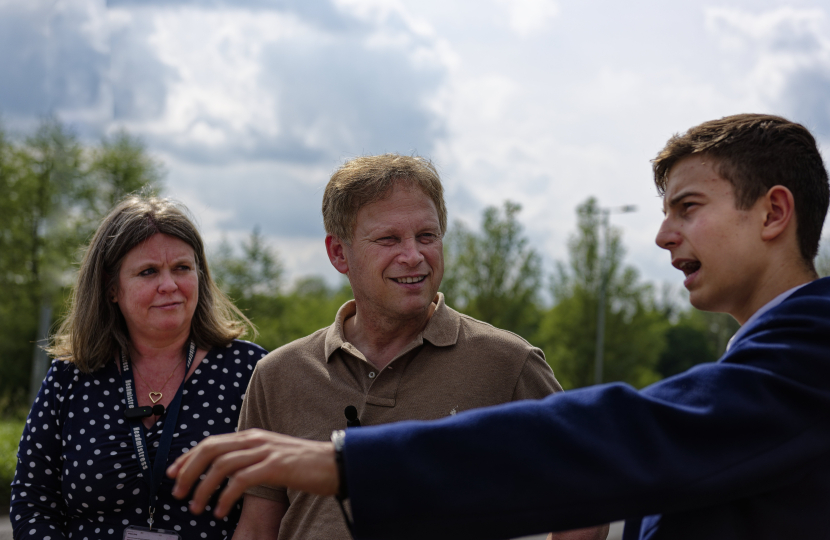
<point x="55" y="191"/>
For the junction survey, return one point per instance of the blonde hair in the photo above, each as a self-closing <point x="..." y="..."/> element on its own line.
<point x="94" y="331"/>
<point x="368" y="179"/>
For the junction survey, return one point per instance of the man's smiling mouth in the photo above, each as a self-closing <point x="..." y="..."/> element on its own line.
<point x="416" y="279"/>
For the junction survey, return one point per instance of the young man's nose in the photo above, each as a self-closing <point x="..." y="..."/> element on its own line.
<point x="667" y="236"/>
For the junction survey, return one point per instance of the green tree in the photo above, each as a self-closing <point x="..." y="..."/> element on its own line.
<point x="54" y="195"/>
<point x="494" y="275"/>
<point x="692" y="340"/>
<point x="254" y="280"/>
<point x="634" y="328"/>
<point x="257" y="272"/>
<point x="118" y="167"/>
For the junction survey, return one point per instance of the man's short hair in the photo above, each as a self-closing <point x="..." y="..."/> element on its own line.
<point x="755" y="152"/>
<point x="368" y="179"/>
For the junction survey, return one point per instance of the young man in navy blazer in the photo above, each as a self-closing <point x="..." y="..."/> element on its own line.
<point x="735" y="449"/>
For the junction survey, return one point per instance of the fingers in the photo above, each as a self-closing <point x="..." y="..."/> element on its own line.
<point x="231" y="465"/>
<point x="187" y="468"/>
<point x="250" y="458"/>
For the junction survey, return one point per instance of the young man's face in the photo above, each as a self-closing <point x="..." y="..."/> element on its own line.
<point x="717" y="246"/>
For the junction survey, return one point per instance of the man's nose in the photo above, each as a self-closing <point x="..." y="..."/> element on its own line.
<point x="410" y="253"/>
<point x="667" y="236"/>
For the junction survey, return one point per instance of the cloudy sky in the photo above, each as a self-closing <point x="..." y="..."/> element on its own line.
<point x="251" y="104"/>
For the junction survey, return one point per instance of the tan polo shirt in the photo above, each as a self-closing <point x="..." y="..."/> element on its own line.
<point x="457" y="363"/>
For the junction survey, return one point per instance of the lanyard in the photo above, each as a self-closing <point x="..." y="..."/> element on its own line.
<point x="152" y="477"/>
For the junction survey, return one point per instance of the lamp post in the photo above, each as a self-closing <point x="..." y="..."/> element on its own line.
<point x="603" y="283"/>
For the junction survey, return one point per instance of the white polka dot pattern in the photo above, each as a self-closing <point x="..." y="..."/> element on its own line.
<point x="76" y="467"/>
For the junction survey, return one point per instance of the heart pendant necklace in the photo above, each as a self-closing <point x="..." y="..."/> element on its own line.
<point x="156" y="396"/>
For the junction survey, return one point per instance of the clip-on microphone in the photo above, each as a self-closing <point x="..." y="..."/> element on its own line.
<point x="144" y="412"/>
<point x="351" y="416"/>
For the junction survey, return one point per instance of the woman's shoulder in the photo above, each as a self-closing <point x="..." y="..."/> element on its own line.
<point x="250" y="347"/>
<point x="236" y="353"/>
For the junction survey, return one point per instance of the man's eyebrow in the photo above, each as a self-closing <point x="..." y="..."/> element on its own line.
<point x="682" y="195"/>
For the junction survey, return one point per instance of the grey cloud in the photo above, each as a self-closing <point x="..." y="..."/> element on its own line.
<point x="344" y="96"/>
<point x="805" y="98"/>
<point x="319" y="13"/>
<point x="368" y="100"/>
<point x="138" y="78"/>
<point x="46" y="60"/>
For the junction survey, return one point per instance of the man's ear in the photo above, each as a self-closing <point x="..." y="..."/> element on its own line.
<point x="779" y="205"/>
<point x="336" y="250"/>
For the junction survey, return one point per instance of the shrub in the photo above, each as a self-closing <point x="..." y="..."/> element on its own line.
<point x="10" y="431"/>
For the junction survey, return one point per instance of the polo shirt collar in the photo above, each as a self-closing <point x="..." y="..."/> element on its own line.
<point x="442" y="328"/>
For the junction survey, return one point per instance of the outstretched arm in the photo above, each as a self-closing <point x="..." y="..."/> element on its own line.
<point x="250" y="458"/>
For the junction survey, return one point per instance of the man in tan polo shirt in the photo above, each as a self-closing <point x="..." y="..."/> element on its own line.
<point x="395" y="352"/>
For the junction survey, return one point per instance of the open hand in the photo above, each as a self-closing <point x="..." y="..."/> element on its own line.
<point x="250" y="458"/>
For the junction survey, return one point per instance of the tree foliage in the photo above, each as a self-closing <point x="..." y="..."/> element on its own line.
<point x="254" y="280"/>
<point x="494" y="275"/>
<point x="634" y="328"/>
<point x="54" y="193"/>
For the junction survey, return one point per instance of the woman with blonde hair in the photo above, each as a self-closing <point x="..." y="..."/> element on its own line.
<point x="147" y="363"/>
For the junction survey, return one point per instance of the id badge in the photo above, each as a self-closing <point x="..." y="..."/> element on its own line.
<point x="134" y="532"/>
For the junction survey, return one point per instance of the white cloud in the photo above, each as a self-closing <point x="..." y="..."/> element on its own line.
<point x="528" y="17"/>
<point x="783" y="56"/>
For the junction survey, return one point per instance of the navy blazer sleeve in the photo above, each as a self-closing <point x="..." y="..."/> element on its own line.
<point x="748" y="424"/>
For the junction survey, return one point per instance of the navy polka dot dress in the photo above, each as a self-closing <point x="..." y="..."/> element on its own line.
<point x="77" y="476"/>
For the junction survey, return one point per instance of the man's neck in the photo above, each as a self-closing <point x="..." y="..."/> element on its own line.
<point x="775" y="282"/>
<point x="381" y="339"/>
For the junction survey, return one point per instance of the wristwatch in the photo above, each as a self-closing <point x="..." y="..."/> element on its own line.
<point x="338" y="438"/>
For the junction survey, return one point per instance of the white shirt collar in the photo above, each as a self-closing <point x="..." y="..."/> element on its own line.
<point x="766" y="307"/>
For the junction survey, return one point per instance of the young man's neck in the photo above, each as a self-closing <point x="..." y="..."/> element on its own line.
<point x="381" y="339"/>
<point x="776" y="281"/>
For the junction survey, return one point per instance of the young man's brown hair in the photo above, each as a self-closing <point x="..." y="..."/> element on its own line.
<point x="367" y="179"/>
<point x="755" y="152"/>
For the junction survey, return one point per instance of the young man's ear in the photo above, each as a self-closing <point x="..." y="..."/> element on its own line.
<point x="779" y="205"/>
<point x="336" y="250"/>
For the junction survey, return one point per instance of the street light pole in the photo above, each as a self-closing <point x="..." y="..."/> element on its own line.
<point x="603" y="253"/>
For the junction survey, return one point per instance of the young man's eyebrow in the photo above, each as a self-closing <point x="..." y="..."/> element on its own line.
<point x="682" y="195"/>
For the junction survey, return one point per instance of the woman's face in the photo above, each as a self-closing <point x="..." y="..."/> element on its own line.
<point x="158" y="289"/>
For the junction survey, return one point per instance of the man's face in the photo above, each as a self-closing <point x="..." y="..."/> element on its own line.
<point x="396" y="258"/>
<point x="717" y="246"/>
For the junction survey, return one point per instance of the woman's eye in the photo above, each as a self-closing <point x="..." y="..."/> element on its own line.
<point x="147" y="272"/>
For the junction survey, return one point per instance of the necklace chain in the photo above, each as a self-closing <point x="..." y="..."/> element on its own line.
<point x="155" y="397"/>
